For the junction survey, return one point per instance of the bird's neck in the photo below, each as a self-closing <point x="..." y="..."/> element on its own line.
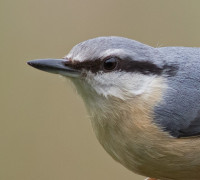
<point x="124" y="127"/>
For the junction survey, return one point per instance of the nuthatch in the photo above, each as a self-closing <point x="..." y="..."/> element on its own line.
<point x="144" y="102"/>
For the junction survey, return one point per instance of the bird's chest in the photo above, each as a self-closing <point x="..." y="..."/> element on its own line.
<point x="127" y="132"/>
<point x="125" y="135"/>
<point x="131" y="138"/>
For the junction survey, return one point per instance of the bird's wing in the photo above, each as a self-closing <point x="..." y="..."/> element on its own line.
<point x="179" y="112"/>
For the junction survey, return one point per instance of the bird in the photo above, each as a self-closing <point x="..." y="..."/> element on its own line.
<point x="143" y="102"/>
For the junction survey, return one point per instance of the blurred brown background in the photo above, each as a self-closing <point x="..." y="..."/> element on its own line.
<point x="45" y="133"/>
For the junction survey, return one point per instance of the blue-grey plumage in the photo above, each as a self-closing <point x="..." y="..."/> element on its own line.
<point x="179" y="112"/>
<point x="143" y="102"/>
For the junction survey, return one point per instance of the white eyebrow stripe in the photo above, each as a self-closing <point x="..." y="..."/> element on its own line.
<point x="121" y="53"/>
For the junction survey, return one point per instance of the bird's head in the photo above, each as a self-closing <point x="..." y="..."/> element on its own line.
<point x="107" y="67"/>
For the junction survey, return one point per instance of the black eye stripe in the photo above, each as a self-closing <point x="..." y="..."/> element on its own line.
<point x="127" y="65"/>
<point x="93" y="65"/>
<point x="144" y="67"/>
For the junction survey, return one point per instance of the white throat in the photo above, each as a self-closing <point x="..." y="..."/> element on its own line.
<point x="121" y="85"/>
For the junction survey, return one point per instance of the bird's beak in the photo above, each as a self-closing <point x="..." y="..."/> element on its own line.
<point x="56" y="66"/>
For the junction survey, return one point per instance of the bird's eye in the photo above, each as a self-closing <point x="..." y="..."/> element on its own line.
<point x="110" y="64"/>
